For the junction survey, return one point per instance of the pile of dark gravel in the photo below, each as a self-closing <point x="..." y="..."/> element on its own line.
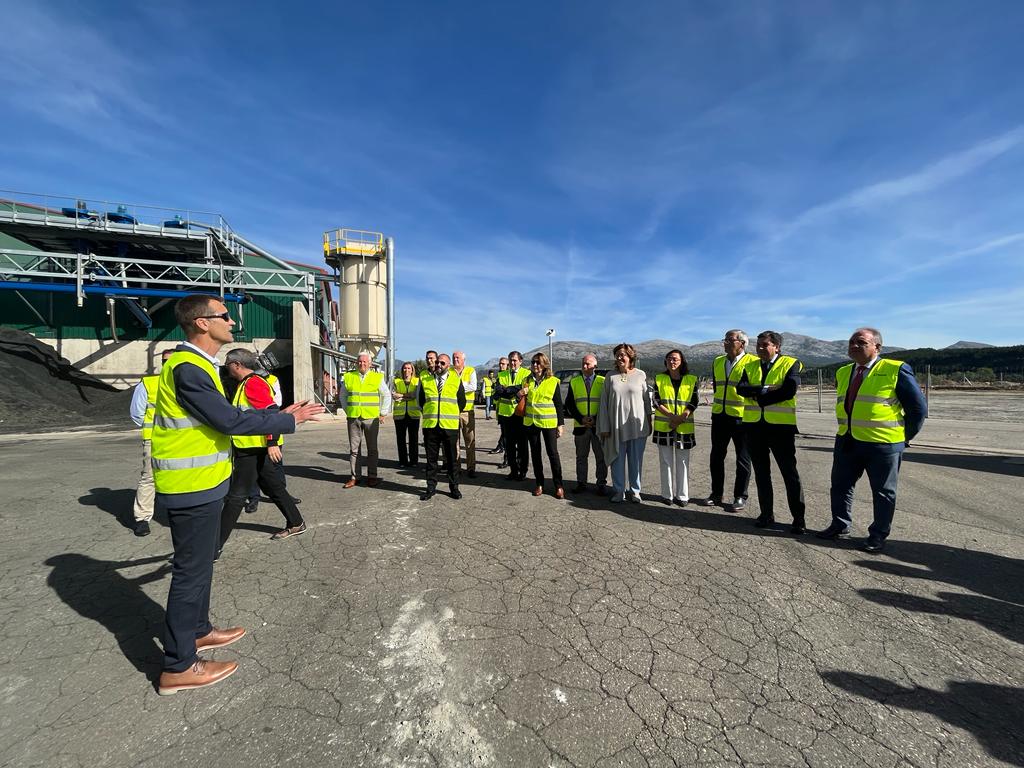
<point x="41" y="391"/>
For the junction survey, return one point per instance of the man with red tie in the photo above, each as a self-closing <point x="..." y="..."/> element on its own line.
<point x="879" y="408"/>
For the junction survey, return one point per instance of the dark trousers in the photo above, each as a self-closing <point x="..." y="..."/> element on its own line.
<point x="407" y="431"/>
<point x="194" y="536"/>
<point x="766" y="440"/>
<point x="723" y="429"/>
<point x="852" y="458"/>
<point x="269" y="476"/>
<point x="535" y="435"/>
<point x="516" y="445"/>
<point x="502" y="421"/>
<point x="435" y="439"/>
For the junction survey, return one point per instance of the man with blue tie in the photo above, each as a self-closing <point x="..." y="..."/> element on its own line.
<point x="879" y="408"/>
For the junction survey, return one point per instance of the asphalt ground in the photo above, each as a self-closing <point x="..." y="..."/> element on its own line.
<point x="508" y="630"/>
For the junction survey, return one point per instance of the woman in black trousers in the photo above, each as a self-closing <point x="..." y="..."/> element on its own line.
<point x="407" y="416"/>
<point x="544" y="421"/>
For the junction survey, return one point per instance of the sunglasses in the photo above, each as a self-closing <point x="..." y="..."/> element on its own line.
<point x="225" y="316"/>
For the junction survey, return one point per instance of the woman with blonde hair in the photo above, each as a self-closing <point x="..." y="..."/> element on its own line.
<point x="675" y="400"/>
<point x="624" y="422"/>
<point x="544" y="421"/>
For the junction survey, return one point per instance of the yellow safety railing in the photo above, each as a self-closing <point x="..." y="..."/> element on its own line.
<point x="352" y="242"/>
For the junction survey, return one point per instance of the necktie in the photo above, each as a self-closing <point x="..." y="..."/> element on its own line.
<point x="851" y="393"/>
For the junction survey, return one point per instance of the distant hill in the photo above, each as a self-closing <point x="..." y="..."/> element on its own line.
<point x="970" y="345"/>
<point x="811" y="351"/>
<point x="964" y="359"/>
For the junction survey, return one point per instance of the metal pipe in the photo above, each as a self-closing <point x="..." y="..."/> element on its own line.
<point x="34" y="310"/>
<point x="390" y="356"/>
<point x="107" y="290"/>
<point x="265" y="254"/>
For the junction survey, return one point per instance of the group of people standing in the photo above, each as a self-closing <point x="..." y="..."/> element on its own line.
<point x="203" y="452"/>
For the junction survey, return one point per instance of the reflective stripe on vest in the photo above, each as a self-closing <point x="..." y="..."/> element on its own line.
<point x="540" y="403"/>
<point x="667" y="397"/>
<point x="467" y="374"/>
<point x="440" y="408"/>
<point x="362" y="394"/>
<point x="725" y="398"/>
<point x="151" y="384"/>
<point x="405" y="408"/>
<point x="188" y="455"/>
<point x="506" y="406"/>
<point x="242" y="401"/>
<point x="780" y="413"/>
<point x="586" y="404"/>
<point x="877" y="414"/>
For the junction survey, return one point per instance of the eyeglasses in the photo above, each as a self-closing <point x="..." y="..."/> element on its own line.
<point x="441" y="363"/>
<point x="225" y="316"/>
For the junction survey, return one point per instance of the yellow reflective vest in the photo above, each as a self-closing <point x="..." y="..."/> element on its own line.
<point x="506" y="406"/>
<point x="467" y="374"/>
<point x="877" y="415"/>
<point x="540" y="403"/>
<point x="586" y="404"/>
<point x="440" y="408"/>
<point x="240" y="400"/>
<point x="410" y="408"/>
<point x="488" y="386"/>
<point x="725" y="398"/>
<point x="780" y="413"/>
<point x="187" y="455"/>
<point x="151" y="384"/>
<point x="362" y="394"/>
<point x="674" y="402"/>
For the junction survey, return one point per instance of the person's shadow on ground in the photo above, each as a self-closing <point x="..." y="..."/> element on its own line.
<point x="96" y="590"/>
<point x="990" y="712"/>
<point x="998" y="604"/>
<point x="118" y="503"/>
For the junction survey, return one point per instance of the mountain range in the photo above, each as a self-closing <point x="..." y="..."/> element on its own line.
<point x="809" y="350"/>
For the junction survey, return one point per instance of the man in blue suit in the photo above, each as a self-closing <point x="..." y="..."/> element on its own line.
<point x="879" y="408"/>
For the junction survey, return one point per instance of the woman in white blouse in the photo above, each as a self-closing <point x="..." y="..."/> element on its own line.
<point x="624" y="422"/>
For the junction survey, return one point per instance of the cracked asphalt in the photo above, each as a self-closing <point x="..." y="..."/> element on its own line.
<point x="504" y="630"/>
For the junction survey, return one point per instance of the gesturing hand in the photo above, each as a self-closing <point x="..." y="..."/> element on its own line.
<point x="304" y="411"/>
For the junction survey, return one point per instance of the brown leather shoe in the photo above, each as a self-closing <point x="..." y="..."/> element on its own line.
<point x="538" y="491"/>
<point x="373" y="482"/>
<point x="559" y="492"/>
<point x="351" y="482"/>
<point x="199" y="675"/>
<point x="218" y="638"/>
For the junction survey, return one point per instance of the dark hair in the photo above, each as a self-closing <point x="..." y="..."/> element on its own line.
<point x="684" y="368"/>
<point x="191" y="308"/>
<point x="515" y="353"/>
<point x="773" y="336"/>
<point x="429" y="353"/>
<point x="630" y="351"/>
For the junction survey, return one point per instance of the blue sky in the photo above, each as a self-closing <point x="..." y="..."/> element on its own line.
<point x="617" y="171"/>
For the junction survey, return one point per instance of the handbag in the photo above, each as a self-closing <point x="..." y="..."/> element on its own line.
<point x="520" y="407"/>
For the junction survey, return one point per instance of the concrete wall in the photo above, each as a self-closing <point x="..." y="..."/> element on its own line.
<point x="122" y="364"/>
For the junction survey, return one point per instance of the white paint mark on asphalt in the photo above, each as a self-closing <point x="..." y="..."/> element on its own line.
<point x="420" y="674"/>
<point x="560" y="696"/>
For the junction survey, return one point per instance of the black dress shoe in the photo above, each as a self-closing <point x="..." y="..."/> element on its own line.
<point x="512" y="476"/>
<point x="427" y="494"/>
<point x="142" y="528"/>
<point x="503" y="465"/>
<point x="710" y="501"/>
<point x="579" y="488"/>
<point x="873" y="544"/>
<point x="798" y="528"/>
<point x="296" y="500"/>
<point x="834" y="531"/>
<point x="456" y="494"/>
<point x="764" y="521"/>
<point x="471" y="474"/>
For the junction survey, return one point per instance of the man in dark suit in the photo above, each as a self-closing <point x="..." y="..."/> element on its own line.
<point x="769" y="418"/>
<point x="879" y="409"/>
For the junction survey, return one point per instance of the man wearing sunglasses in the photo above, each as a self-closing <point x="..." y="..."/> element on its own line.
<point x="442" y="397"/>
<point x="191" y="441"/>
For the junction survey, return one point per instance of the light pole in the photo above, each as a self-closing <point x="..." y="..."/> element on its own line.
<point x="551" y="358"/>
